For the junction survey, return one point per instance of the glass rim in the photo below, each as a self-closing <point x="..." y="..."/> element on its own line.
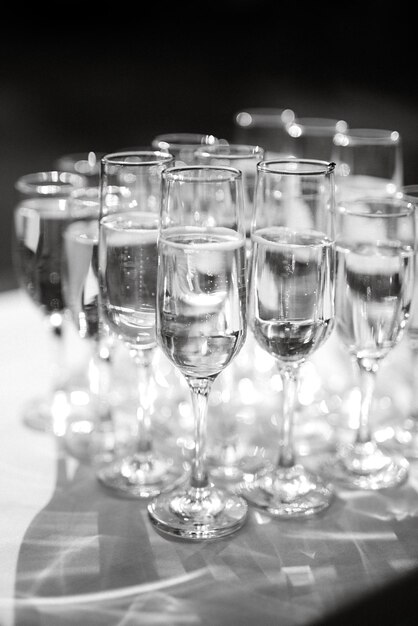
<point x="160" y="157"/>
<point x="184" y="140"/>
<point x="317" y="166"/>
<point x="320" y="124"/>
<point x="405" y="207"/>
<point x="80" y="156"/>
<point x="174" y="174"/>
<point x="240" y="151"/>
<point x="365" y="136"/>
<point x="50" y="181"/>
<point x="263" y="116"/>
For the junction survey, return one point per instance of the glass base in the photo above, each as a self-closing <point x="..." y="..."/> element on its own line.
<point x="366" y="466"/>
<point x="289" y="492"/>
<point x="141" y="475"/>
<point x="198" y="513"/>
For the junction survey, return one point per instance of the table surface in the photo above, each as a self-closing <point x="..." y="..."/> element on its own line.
<point x="71" y="553"/>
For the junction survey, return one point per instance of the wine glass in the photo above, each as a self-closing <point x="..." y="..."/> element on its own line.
<point x="201" y="325"/>
<point x="183" y="145"/>
<point x="81" y="293"/>
<point x="39" y="222"/>
<point x="291" y="309"/>
<point x="230" y="458"/>
<point x="405" y="435"/>
<point x="264" y="126"/>
<point x="375" y="239"/>
<point x="85" y="163"/>
<point x="130" y="198"/>
<point x="312" y="137"/>
<point x="369" y="162"/>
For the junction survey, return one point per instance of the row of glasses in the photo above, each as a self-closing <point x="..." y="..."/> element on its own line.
<point x="206" y="235"/>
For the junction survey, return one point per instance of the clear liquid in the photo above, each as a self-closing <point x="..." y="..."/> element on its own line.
<point x="202" y="299"/>
<point x="39" y="227"/>
<point x="128" y="277"/>
<point x="291" y="292"/>
<point x="80" y="276"/>
<point x="374" y="291"/>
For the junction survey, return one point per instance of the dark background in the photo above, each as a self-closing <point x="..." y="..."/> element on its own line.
<point x="76" y="78"/>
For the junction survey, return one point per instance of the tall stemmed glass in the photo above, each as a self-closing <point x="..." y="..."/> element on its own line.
<point x="130" y="200"/>
<point x="292" y="309"/>
<point x="230" y="458"/>
<point x="81" y="294"/>
<point x="312" y="137"/>
<point x="201" y="325"/>
<point x="375" y="241"/>
<point x="405" y="434"/>
<point x="369" y="162"/>
<point x="40" y="219"/>
<point x="264" y="126"/>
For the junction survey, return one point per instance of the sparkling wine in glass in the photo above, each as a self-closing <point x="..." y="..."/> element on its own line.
<point x="369" y="162"/>
<point x="405" y="435"/>
<point x="292" y="297"/>
<point x="235" y="455"/>
<point x="81" y="294"/>
<point x="41" y="217"/>
<point x="375" y="241"/>
<point x="130" y="200"/>
<point x="201" y="325"/>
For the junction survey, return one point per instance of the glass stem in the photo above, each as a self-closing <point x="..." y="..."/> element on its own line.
<point x="143" y="360"/>
<point x="290" y="385"/>
<point x="56" y="329"/>
<point x="368" y="371"/>
<point x="200" y="388"/>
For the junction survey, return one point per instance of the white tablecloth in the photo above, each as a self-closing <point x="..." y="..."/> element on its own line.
<point x="72" y="554"/>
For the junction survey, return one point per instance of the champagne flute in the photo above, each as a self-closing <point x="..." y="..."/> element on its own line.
<point x="40" y="219"/>
<point x="375" y="240"/>
<point x="130" y="198"/>
<point x="369" y="162"/>
<point x="230" y="458"/>
<point x="312" y="137"/>
<point x="292" y="309"/>
<point x="81" y="293"/>
<point x="405" y="435"/>
<point x="201" y="325"/>
<point x="264" y="126"/>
